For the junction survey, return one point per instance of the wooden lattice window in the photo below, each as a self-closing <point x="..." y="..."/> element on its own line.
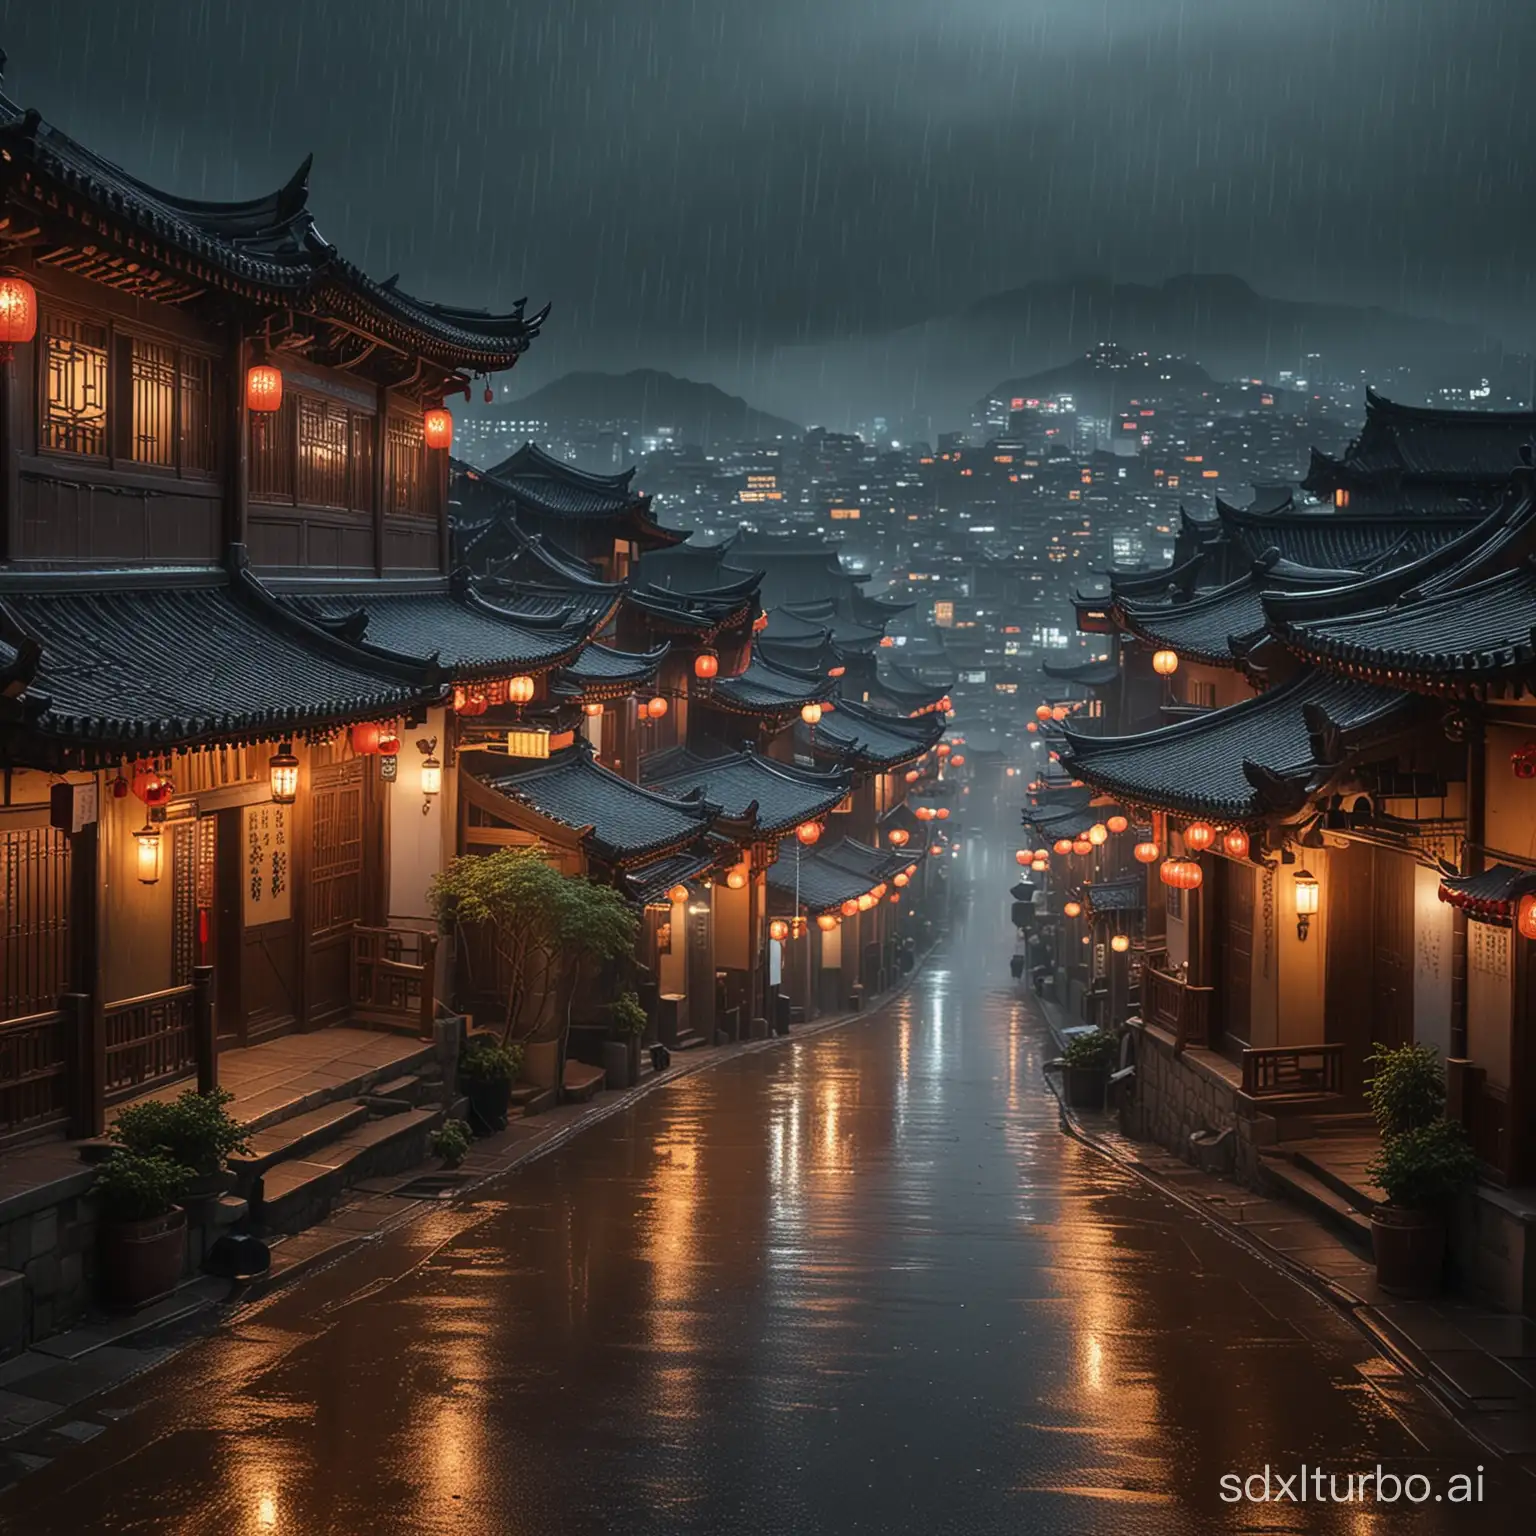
<point x="336" y="853"/>
<point x="198" y="406"/>
<point x="34" y="920"/>
<point x="152" y="433"/>
<point x="405" y="465"/>
<point x="272" y="453"/>
<point x="362" y="462"/>
<point x="324" y="440"/>
<point x="74" y="394"/>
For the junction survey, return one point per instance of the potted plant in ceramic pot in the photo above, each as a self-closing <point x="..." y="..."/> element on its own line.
<point x="1088" y="1059"/>
<point x="487" y="1071"/>
<point x="143" y="1238"/>
<point x="630" y="1022"/>
<point x="1421" y="1171"/>
<point x="195" y="1130"/>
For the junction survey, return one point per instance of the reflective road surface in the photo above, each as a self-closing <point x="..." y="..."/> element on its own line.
<point x="858" y="1282"/>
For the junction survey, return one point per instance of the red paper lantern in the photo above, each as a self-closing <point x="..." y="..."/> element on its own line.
<point x="365" y="737"/>
<point x="778" y="929"/>
<point x="18" y="313"/>
<point x="1032" y="727"/>
<point x="1063" y="845"/>
<point x="1181" y="874"/>
<point x="520" y="690"/>
<point x="1147" y="853"/>
<point x="469" y="701"/>
<point x="850" y="909"/>
<point x="942" y="813"/>
<point x="1525" y="921"/>
<point x="902" y="877"/>
<point x="263" y="389"/>
<point x="1042" y="712"/>
<point x="1082" y="847"/>
<point x="1023" y="856"/>
<point x="943" y="749"/>
<point x="897" y="837"/>
<point x="1198" y="836"/>
<point x="1235" y="843"/>
<point x="437" y="428"/>
<point x="1117" y="824"/>
<point x="827" y="921"/>
<point x="706" y="665"/>
<point x="591" y="711"/>
<point x="656" y="708"/>
<point x="910" y="776"/>
<point x="808" y="832"/>
<point x="1073" y="909"/>
<point x="389" y="741"/>
<point x="958" y="760"/>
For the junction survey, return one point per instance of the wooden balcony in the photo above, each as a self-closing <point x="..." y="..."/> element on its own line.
<point x="1172" y="1003"/>
<point x="1311" y="1070"/>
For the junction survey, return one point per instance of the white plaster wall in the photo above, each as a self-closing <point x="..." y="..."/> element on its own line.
<point x="1433" y="925"/>
<point x="420" y="843"/>
<point x="1489" y="1000"/>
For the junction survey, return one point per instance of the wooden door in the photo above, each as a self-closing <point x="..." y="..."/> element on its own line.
<point x="257" y="932"/>
<point x="1234" y="939"/>
<point x="1392" y="947"/>
<point x="337" y="885"/>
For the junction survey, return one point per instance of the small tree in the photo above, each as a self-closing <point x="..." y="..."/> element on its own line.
<point x="517" y="898"/>
<point x="596" y="928"/>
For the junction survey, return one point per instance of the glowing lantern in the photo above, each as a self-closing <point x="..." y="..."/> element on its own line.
<point x="942" y="813"/>
<point x="911" y="870"/>
<point x="1235" y="843"/>
<point x="1098" y="834"/>
<point x="431" y="777"/>
<point x="1033" y="727"/>
<point x="1060" y="712"/>
<point x="706" y="665"/>
<point x="886" y="641"/>
<point x="943" y="749"/>
<point x="1525" y="921"/>
<point x="736" y="877"/>
<point x="18" y="314"/>
<point x="826" y="922"/>
<point x="520" y="689"/>
<point x="1181" y="874"/>
<point x="895" y="898"/>
<point x="898" y="837"/>
<point x="936" y="849"/>
<point x="1073" y="909"/>
<point x="879" y="891"/>
<point x="1147" y="853"/>
<point x="592" y="711"/>
<point x="810" y="713"/>
<point x="924" y="813"/>
<point x="677" y="893"/>
<point x="1117" y="823"/>
<point x="1306" y="900"/>
<point x="1042" y="712"/>
<point x="389" y="741"/>
<point x="1043" y="854"/>
<point x="147" y="853"/>
<point x="1023" y="856"/>
<point x="263" y="389"/>
<point x="1120" y="943"/>
<point x="283" y="775"/>
<point x="866" y="902"/>
<point x="778" y="929"/>
<point x="850" y="909"/>
<point x="902" y="879"/>
<point x="437" y="428"/>
<point x="1063" y="845"/>
<point x="958" y="760"/>
<point x="1165" y="663"/>
<point x="808" y="832"/>
<point x="945" y="705"/>
<point x="469" y="701"/>
<point x="365" y="737"/>
<point x="656" y="708"/>
<point x="1040" y="866"/>
<point x="910" y="775"/>
<point x="1198" y="836"/>
<point x="1082" y="847"/>
<point x="836" y="671"/>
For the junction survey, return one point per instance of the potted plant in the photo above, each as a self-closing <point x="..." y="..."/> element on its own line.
<point x="1421" y="1171"/>
<point x="195" y="1130"/>
<point x="143" y="1230"/>
<point x="1407" y="1089"/>
<point x="1088" y="1059"/>
<point x="451" y="1141"/>
<point x="630" y="1022"/>
<point x="487" y="1071"/>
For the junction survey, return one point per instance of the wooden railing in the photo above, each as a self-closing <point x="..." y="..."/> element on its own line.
<point x="392" y="978"/>
<point x="1170" y="1002"/>
<point x="150" y="1040"/>
<point x="1277" y="1069"/>
<point x="37" y="1056"/>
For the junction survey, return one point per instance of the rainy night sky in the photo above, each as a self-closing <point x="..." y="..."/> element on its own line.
<point x="698" y="179"/>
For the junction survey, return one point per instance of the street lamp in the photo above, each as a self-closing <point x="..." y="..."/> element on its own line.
<point x="1306" y="901"/>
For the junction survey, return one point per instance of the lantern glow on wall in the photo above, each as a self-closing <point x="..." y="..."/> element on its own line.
<point x="147" y="853"/>
<point x="437" y="428"/>
<point x="283" y="775"/>
<point x="1307" y="892"/>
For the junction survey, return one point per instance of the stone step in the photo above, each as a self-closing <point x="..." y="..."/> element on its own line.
<point x="582" y="1082"/>
<point x="691" y="1041"/>
<point x="298" y="1193"/>
<point x="277" y="1105"/>
<point x="1286" y="1178"/>
<point x="398" y="1094"/>
<point x="293" y="1138"/>
<point x="528" y="1100"/>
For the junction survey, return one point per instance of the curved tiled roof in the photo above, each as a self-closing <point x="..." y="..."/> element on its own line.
<point x="1260" y="758"/>
<point x="762" y="689"/>
<point x="783" y="796"/>
<point x="605" y="664"/>
<point x="1201" y="628"/>
<point x="878" y="740"/>
<point x="824" y="878"/>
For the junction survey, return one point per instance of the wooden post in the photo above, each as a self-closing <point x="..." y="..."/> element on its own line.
<point x="205" y="1039"/>
<point x="86" y="1109"/>
<point x="237" y="475"/>
<point x="428" y="1019"/>
<point x="86" y="894"/>
<point x="380" y="479"/>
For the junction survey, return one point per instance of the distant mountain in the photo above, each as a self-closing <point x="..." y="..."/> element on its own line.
<point x="648" y="400"/>
<point x="1100" y="385"/>
<point x="1217" y="321"/>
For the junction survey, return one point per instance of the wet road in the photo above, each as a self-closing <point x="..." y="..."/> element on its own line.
<point x="858" y="1283"/>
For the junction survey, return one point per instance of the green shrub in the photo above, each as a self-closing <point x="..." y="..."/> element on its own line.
<point x="485" y="1060"/>
<point x="1099" y="1049"/>
<point x="1407" y="1089"/>
<point x="195" y="1130"/>
<point x="629" y="1018"/>
<point x="1425" y="1167"/>
<point x="451" y="1141"/>
<point x="137" y="1186"/>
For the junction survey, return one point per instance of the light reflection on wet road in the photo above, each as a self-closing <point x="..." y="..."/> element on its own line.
<point x="860" y="1283"/>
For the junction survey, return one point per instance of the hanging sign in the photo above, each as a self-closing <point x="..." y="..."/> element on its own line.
<point x="268" y="877"/>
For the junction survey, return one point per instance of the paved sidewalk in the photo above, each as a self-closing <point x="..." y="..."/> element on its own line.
<point x="1477" y="1364"/>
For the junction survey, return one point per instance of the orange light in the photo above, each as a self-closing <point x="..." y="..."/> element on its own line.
<point x="520" y="689"/>
<point x="592" y="711"/>
<point x="808" y="832"/>
<point x="1181" y="874"/>
<point x="678" y="893"/>
<point x="866" y="902"/>
<point x="1043" y="712"/>
<point x="924" y="813"/>
<point x="943" y="749"/>
<point x="897" y="837"/>
<point x="656" y="708"/>
<point x="1165" y="663"/>
<point x="826" y="922"/>
<point x="1060" y="712"/>
<point x="736" y="877"/>
<point x="778" y="929"/>
<point x="18" y="312"/>
<point x="1073" y="909"/>
<point x="1098" y="834"/>
<point x="936" y="849"/>
<point x="850" y="909"/>
<point x="887" y="641"/>
<point x="1063" y="845"/>
<point x="810" y="713"/>
<point x="1043" y="854"/>
<point x="958" y="760"/>
<point x="760" y="623"/>
<point x="706" y="665"/>
<point x="895" y="898"/>
<point x="365" y="737"/>
<point x="437" y="428"/>
<point x="263" y="389"/>
<point x="1525" y="922"/>
<point x="1040" y="866"/>
<point x="468" y="701"/>
<point x="1120" y="943"/>
<point x="1032" y="727"/>
<point x="1023" y="856"/>
<point x="1117" y="823"/>
<point x="1147" y="853"/>
<point x="1082" y="847"/>
<point x="836" y="671"/>
<point x="910" y="775"/>
<point x="942" y="813"/>
<point x="902" y="877"/>
<point x="1198" y="836"/>
<point x="1235" y="843"/>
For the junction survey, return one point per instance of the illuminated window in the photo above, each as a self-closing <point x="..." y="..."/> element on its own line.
<point x="845" y="514"/>
<point x="75" y="388"/>
<point x="405" y="466"/>
<point x="152" y="369"/>
<point x="944" y="614"/>
<point x="1341" y="498"/>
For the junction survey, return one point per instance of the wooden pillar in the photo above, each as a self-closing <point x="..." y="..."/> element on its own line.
<point x="88" y="1020"/>
<point x="205" y="1041"/>
<point x="380" y="479"/>
<point x="237" y="472"/>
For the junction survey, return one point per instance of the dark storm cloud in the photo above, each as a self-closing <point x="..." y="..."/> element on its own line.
<point x="686" y="178"/>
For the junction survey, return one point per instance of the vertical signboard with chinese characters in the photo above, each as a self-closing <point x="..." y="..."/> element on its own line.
<point x="268" y="876"/>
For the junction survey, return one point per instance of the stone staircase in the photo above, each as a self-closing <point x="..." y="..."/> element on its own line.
<point x="1323" y="1171"/>
<point x="306" y="1152"/>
